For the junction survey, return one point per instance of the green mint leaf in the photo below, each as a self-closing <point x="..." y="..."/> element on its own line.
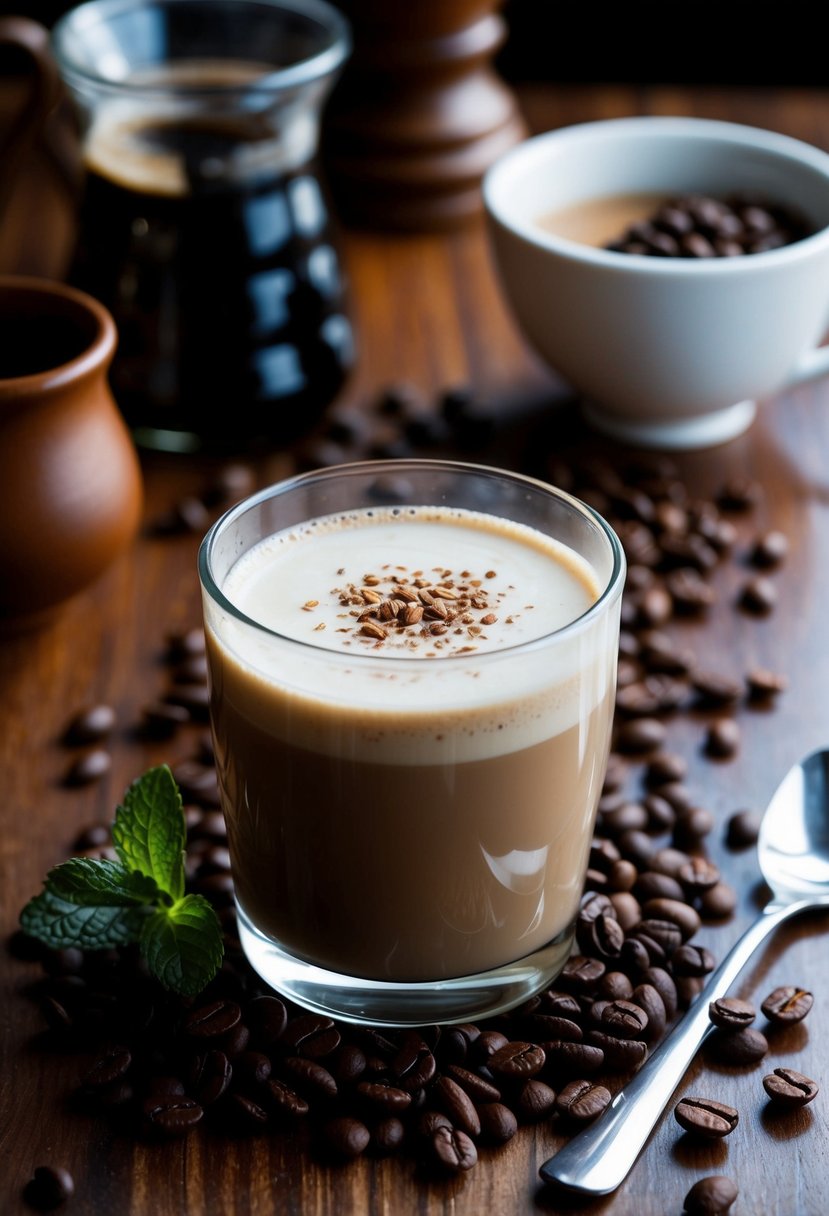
<point x="149" y="831"/>
<point x="183" y="945"/>
<point x="88" y="883"/>
<point x="58" y="922"/>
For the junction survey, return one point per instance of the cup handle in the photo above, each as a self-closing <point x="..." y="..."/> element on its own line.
<point x="811" y="365"/>
<point x="32" y="43"/>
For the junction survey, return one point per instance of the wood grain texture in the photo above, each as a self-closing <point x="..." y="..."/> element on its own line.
<point x="428" y="309"/>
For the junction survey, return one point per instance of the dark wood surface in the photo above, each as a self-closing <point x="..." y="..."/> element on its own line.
<point x="428" y="310"/>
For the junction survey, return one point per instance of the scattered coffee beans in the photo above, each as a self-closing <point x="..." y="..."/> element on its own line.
<point x="49" y="1187"/>
<point x="738" y="1047"/>
<point x="712" y="1196"/>
<point x="730" y="1013"/>
<point x="240" y="1059"/>
<point x="789" y="1089"/>
<point x="706" y="1117"/>
<point x="786" y="1005"/>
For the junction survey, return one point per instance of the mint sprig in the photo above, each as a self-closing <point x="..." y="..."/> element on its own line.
<point x="139" y="898"/>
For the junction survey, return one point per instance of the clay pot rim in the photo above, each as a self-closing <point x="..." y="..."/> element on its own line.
<point x="67" y="301"/>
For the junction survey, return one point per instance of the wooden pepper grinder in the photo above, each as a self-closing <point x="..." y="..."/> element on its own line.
<point x="419" y="114"/>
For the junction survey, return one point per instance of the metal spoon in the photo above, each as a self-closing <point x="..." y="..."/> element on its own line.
<point x="793" y="852"/>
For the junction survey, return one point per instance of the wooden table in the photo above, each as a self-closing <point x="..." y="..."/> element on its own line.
<point x="428" y="310"/>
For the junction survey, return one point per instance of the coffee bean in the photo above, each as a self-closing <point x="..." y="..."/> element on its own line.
<point x="665" y="767"/>
<point x="601" y="937"/>
<point x="626" y="908"/>
<point x="582" y="1101"/>
<point x="414" y="1065"/>
<point x="213" y="1020"/>
<point x="742" y="829"/>
<point x="210" y="1074"/>
<point x="718" y="901"/>
<point x="615" y="986"/>
<point x="172" y="1116"/>
<point x="722" y="739"/>
<point x="312" y="1035"/>
<point x="458" y="1106"/>
<point x="108" y="1068"/>
<point x="388" y="1135"/>
<point x="565" y="1058"/>
<point x="284" y="1101"/>
<point x="621" y="878"/>
<point x="91" y="766"/>
<point x="383" y="1096"/>
<point x="624" y="1020"/>
<point x="453" y="1149"/>
<point x="665" y="934"/>
<point x="714" y="689"/>
<point x="620" y="1055"/>
<point x="691" y="960"/>
<point x="685" y="917"/>
<point x="665" y="986"/>
<point x="711" y="1196"/>
<point x="738" y="1047"/>
<point x="739" y="494"/>
<point x="486" y="1043"/>
<point x="49" y="1187"/>
<point x="758" y="596"/>
<point x="629" y="816"/>
<point x="661" y="815"/>
<point x="310" y="1078"/>
<point x="706" y="1117"/>
<point x="787" y="1004"/>
<point x="789" y="1089"/>
<point x="346" y="1137"/>
<point x="652" y="886"/>
<point x="498" y="1122"/>
<point x="560" y="1004"/>
<point x="769" y="549"/>
<point x="650" y="1002"/>
<point x="90" y="725"/>
<point x="698" y="875"/>
<point x="690" y="593"/>
<point x="429" y="1121"/>
<point x="582" y="974"/>
<point x="535" y="1100"/>
<point x="730" y="1013"/>
<point x="640" y="735"/>
<point x="762" y="685"/>
<point x="475" y="1086"/>
<point x="161" y="720"/>
<point x="550" y="1026"/>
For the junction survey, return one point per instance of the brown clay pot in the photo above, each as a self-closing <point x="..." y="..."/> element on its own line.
<point x="70" y="482"/>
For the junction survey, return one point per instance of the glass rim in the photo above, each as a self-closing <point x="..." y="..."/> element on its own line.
<point x="611" y="590"/>
<point x="317" y="66"/>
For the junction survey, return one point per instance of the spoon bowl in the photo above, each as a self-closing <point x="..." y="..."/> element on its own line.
<point x="793" y="846"/>
<point x="793" y="853"/>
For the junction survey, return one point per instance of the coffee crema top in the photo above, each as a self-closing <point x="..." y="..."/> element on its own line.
<point x="417" y="582"/>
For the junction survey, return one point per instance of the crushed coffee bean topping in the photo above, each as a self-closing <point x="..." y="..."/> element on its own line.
<point x="432" y="612"/>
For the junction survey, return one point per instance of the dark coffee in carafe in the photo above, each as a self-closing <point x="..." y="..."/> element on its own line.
<point x="209" y="237"/>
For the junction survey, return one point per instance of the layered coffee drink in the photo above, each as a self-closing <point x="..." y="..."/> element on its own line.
<point x="206" y="231"/>
<point x="412" y="709"/>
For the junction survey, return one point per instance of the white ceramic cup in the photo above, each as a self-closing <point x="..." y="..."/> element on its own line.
<point x="665" y="352"/>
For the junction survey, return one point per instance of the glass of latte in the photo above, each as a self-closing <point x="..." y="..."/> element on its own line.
<point x="412" y="669"/>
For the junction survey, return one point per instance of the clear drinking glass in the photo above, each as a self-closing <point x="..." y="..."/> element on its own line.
<point x="409" y="813"/>
<point x="204" y="225"/>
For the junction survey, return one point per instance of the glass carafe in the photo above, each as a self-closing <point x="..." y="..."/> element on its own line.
<point x="204" y="225"/>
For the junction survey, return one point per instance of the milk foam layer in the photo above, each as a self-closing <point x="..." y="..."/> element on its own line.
<point x="507" y="687"/>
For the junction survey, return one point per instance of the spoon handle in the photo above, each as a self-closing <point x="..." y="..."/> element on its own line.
<point x="599" y="1159"/>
